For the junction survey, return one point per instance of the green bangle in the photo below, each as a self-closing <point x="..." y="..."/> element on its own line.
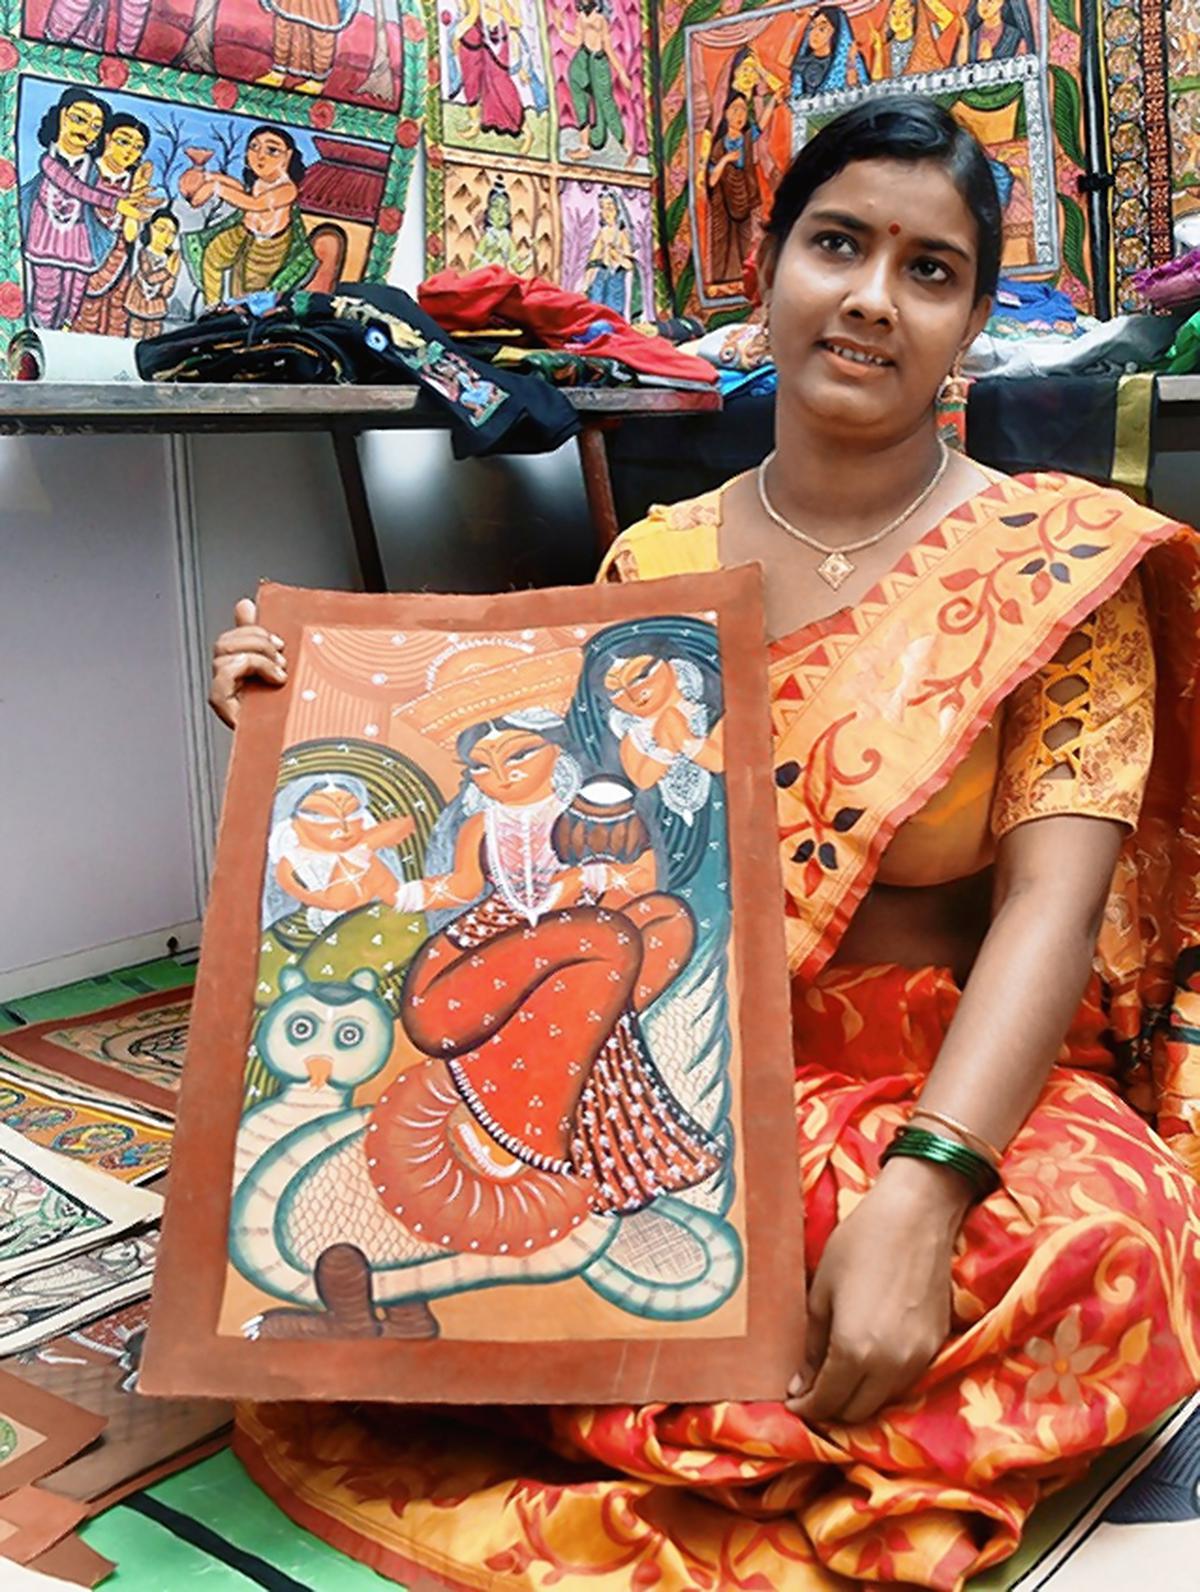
<point x="920" y="1145"/>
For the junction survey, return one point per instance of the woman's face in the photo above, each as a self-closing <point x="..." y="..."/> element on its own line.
<point x="124" y="148"/>
<point x="329" y="820"/>
<point x="872" y="298"/>
<point x="641" y="686"/>
<point x="737" y="116"/>
<point x="820" y="35"/>
<point x="79" y="126"/>
<point x="162" y="235"/>
<point x="267" y="155"/>
<point x="989" y="10"/>
<point x="515" y="767"/>
<point x="747" y="75"/>
<point x="608" y="209"/>
<point x="902" y="19"/>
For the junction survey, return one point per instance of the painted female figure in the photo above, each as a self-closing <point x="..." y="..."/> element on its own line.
<point x="488" y="44"/>
<point x="264" y="244"/>
<point x="828" y="58"/>
<point x="611" y="277"/>
<point x="996" y="30"/>
<point x="121" y="165"/>
<point x="735" y="199"/>
<point x="154" y="275"/>
<point x="63" y="238"/>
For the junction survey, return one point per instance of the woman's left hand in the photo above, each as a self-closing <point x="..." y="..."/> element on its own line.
<point x="879" y="1305"/>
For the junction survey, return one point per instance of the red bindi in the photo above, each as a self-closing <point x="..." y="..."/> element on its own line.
<point x="894" y="229"/>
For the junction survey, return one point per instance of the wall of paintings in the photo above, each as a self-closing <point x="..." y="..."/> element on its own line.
<point x="157" y="156"/>
<point x="540" y="144"/>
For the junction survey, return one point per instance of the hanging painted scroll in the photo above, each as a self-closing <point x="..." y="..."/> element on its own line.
<point x="1068" y="98"/>
<point x="489" y="1041"/>
<point x="539" y="145"/>
<point x="158" y="156"/>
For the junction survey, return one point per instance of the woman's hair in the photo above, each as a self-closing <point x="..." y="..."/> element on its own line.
<point x="163" y="213"/>
<point x="296" y="167"/>
<point x="123" y="119"/>
<point x="898" y="127"/>
<point x="48" y="127"/>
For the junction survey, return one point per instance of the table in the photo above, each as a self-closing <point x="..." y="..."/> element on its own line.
<point x="59" y="408"/>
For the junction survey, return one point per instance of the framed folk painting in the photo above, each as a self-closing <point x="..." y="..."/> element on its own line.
<point x="488" y="1091"/>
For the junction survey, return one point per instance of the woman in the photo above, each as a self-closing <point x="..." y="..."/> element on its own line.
<point x="264" y="244"/>
<point x="966" y="675"/>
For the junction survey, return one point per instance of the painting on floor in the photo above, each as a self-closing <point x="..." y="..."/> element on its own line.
<point x="132" y="197"/>
<point x="540" y="145"/>
<point x="473" y="1070"/>
<point x="1068" y="97"/>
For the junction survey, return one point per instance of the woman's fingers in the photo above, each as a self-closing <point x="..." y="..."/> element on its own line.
<point x="245" y="611"/>
<point x="231" y="673"/>
<point x="836" y="1383"/>
<point x="816" y="1343"/>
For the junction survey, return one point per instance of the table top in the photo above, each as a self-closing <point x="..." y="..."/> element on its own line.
<point x="237" y="406"/>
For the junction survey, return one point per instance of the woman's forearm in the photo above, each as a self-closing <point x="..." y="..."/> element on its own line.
<point x="1018" y="1004"/>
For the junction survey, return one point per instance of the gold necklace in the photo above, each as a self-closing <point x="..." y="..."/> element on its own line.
<point x="835" y="568"/>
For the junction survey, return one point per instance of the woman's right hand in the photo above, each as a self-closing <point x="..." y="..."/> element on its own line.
<point x="247" y="652"/>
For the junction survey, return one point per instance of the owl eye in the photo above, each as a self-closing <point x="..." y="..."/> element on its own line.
<point x="300" y="1029"/>
<point x="347" y="1035"/>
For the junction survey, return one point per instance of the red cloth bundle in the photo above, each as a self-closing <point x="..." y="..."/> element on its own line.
<point x="493" y="297"/>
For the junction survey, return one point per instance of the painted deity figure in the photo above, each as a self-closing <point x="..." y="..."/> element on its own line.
<point x="64" y="240"/>
<point x="611" y="277"/>
<point x="488" y="43"/>
<point x="154" y="275"/>
<point x="327" y="854"/>
<point x="915" y="36"/>
<point x="121" y="165"/>
<point x="595" y="66"/>
<point x="263" y="245"/>
<point x="498" y="244"/>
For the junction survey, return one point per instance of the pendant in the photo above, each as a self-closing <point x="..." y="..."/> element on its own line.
<point x="835" y="570"/>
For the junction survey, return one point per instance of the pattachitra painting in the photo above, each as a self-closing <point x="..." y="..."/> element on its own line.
<point x="133" y="196"/>
<point x="489" y="1048"/>
<point x="540" y="145"/>
<point x="1068" y="97"/>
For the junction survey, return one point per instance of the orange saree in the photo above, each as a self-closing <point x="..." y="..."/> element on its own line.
<point x="1076" y="1286"/>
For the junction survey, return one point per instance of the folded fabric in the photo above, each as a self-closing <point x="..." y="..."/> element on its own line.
<point x="742" y="347"/>
<point x="369" y="334"/>
<point x="1117" y="347"/>
<point x="1172" y="285"/>
<point x="492" y="296"/>
<point x="1183" y="356"/>
<point x="1032" y="301"/>
<point x="561" y="369"/>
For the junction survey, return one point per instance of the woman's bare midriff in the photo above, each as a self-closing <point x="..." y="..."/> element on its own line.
<point x="920" y="926"/>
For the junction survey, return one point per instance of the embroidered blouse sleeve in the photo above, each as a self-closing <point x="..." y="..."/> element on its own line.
<point x="1079" y="733"/>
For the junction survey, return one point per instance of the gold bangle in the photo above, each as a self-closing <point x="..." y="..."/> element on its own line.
<point x="973" y="1140"/>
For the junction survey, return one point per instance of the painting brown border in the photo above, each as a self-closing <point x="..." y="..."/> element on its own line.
<point x="31" y="1044"/>
<point x="66" y="1429"/>
<point x="184" y="1353"/>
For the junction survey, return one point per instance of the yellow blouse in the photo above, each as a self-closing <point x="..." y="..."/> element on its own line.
<point x="1076" y="736"/>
